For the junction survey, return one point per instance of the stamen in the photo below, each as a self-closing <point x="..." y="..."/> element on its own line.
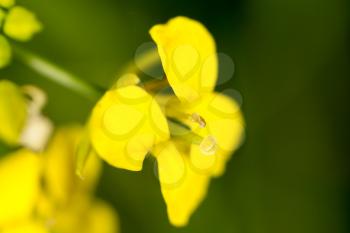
<point x="37" y="96"/>
<point x="38" y="128"/>
<point x="195" y="117"/>
<point x="208" y="145"/>
<point x="156" y="85"/>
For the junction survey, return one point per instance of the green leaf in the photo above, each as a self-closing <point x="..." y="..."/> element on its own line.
<point x="82" y="154"/>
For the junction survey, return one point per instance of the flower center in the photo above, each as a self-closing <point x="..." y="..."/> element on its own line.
<point x="179" y="129"/>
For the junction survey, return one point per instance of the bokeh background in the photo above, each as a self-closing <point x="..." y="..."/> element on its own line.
<point x="291" y="67"/>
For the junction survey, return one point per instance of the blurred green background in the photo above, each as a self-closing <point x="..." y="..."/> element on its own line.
<point x="291" y="59"/>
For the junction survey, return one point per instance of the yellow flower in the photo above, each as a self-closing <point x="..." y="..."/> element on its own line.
<point x="41" y="193"/>
<point x="17" y="23"/>
<point x="200" y="128"/>
<point x="189" y="59"/>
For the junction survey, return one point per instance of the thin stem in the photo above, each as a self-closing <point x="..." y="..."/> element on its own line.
<point x="56" y="74"/>
<point x="156" y="85"/>
<point x="142" y="62"/>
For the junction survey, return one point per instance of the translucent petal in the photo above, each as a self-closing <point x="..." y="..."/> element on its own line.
<point x="5" y="52"/>
<point x="13" y="112"/>
<point x="182" y="187"/>
<point x="19" y="182"/>
<point x="188" y="54"/>
<point x="124" y="126"/>
<point x="21" y="24"/>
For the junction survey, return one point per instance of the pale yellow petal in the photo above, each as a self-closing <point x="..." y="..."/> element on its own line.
<point x="182" y="187"/>
<point x="188" y="55"/>
<point x="21" y="24"/>
<point x="19" y="184"/>
<point x="5" y="52"/>
<point x="102" y="219"/>
<point x="60" y="177"/>
<point x="124" y="126"/>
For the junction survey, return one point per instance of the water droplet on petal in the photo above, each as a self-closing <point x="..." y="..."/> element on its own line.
<point x="208" y="145"/>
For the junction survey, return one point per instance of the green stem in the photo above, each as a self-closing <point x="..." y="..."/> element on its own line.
<point x="140" y="63"/>
<point x="56" y="74"/>
<point x="144" y="61"/>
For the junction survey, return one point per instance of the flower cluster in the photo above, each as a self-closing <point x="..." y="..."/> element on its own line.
<point x="40" y="193"/>
<point x="191" y="130"/>
<point x="39" y="189"/>
<point x="16" y="23"/>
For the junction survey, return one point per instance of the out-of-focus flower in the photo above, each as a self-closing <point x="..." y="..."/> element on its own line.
<point x="13" y="112"/>
<point x="21" y="24"/>
<point x="16" y="23"/>
<point x="20" y="186"/>
<point x="67" y="202"/>
<point x="41" y="193"/>
<point x="7" y="3"/>
<point x="20" y="114"/>
<point x="199" y="128"/>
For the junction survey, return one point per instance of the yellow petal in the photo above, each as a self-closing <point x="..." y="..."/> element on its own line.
<point x="5" y="51"/>
<point x="7" y="3"/>
<point x="188" y="55"/>
<point x="102" y="219"/>
<point x="124" y="126"/>
<point x="61" y="180"/>
<point x="26" y="227"/>
<point x="226" y="124"/>
<point x="19" y="182"/>
<point x="73" y="217"/>
<point x="183" y="188"/>
<point x="86" y="215"/>
<point x="13" y="112"/>
<point x="21" y="24"/>
<point x="223" y="122"/>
